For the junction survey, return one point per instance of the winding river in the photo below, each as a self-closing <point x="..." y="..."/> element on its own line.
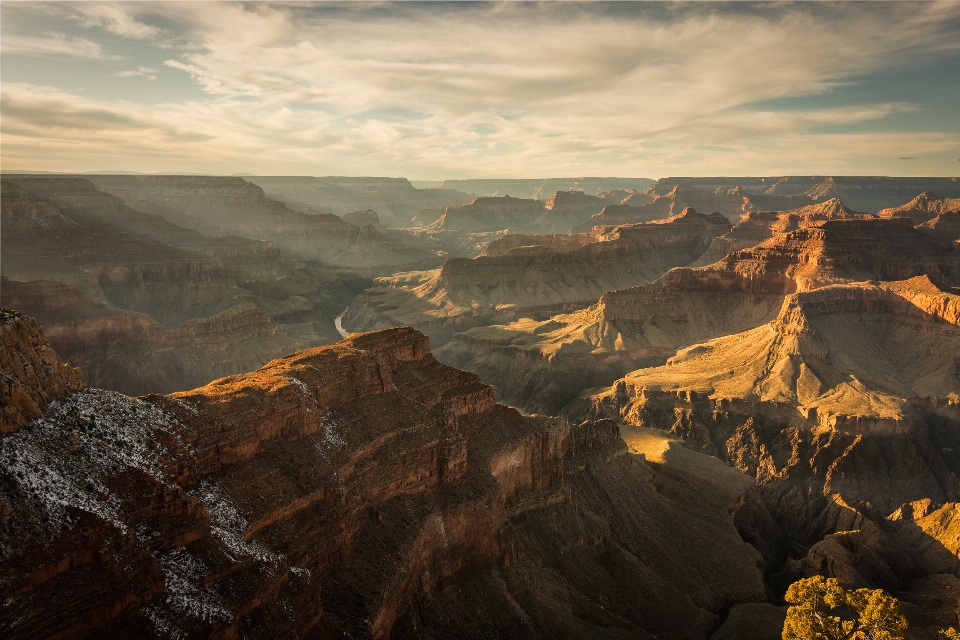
<point x="338" y="323"/>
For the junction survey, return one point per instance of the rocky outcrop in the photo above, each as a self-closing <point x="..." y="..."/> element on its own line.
<point x="359" y="489"/>
<point x="923" y="208"/>
<point x="542" y="365"/>
<point x="32" y="373"/>
<point x="757" y="226"/>
<point x="489" y="214"/>
<point x="547" y="275"/>
<point x="362" y="218"/>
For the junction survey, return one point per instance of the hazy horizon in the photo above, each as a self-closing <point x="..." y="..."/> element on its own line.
<point x="434" y="91"/>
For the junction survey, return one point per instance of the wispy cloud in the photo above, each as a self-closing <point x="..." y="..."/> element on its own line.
<point x="147" y="72"/>
<point x="114" y="18"/>
<point x="54" y="44"/>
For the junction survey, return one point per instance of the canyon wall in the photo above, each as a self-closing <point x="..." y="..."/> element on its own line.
<point x="359" y="489"/>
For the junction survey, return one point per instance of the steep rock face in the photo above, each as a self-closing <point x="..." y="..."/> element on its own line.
<point x="757" y="226"/>
<point x="360" y="489"/>
<point x="489" y="214"/>
<point x="234" y="206"/>
<point x="542" y="365"/>
<point x="33" y="374"/>
<point x="846" y="409"/>
<point x="535" y="279"/>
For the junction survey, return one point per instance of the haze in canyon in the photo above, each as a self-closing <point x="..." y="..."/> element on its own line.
<point x="478" y="320"/>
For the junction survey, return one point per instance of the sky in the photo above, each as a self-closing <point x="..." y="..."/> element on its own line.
<point x="431" y="91"/>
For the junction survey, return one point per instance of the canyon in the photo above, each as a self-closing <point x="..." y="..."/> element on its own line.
<point x="532" y="276"/>
<point x="585" y="407"/>
<point x="361" y="488"/>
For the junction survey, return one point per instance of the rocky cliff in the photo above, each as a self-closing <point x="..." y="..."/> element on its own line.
<point x="360" y="489"/>
<point x="940" y="217"/>
<point x="545" y="275"/>
<point x="542" y="365"/>
<point x="33" y="374"/>
<point x="757" y="226"/>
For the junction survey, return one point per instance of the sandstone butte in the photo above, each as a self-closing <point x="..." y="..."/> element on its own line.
<point x="144" y="305"/>
<point x="361" y="489"/>
<point x="940" y="217"/>
<point x="532" y="276"/>
<point x="846" y="410"/>
<point x="541" y="365"/>
<point x="464" y="229"/>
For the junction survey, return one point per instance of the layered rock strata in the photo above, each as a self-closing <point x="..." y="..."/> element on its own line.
<point x="846" y="410"/>
<point x="115" y="287"/>
<point x="731" y="201"/>
<point x="361" y="489"/>
<point x="538" y="189"/>
<point x="757" y="226"/>
<point x="539" y="276"/>
<point x="542" y="365"/>
<point x="233" y="206"/>
<point x="940" y="217"/>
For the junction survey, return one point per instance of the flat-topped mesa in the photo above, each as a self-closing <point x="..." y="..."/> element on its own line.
<point x="488" y="214"/>
<point x="362" y="218"/>
<point x="537" y="277"/>
<point x="31" y="373"/>
<point x="757" y="226"/>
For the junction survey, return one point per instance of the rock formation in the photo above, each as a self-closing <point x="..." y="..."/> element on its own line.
<point x="538" y="277"/>
<point x="542" y="365"/>
<point x="846" y="410"/>
<point x="360" y="489"/>
<point x="757" y="226"/>
<point x="115" y="287"/>
<point x="940" y="217"/>
<point x="362" y="218"/>
<point x="731" y="201"/>
<point x="32" y="373"/>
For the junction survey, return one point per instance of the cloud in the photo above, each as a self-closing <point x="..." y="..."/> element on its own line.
<point x="53" y="44"/>
<point x="515" y="89"/>
<point x="114" y="19"/>
<point x="147" y="72"/>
